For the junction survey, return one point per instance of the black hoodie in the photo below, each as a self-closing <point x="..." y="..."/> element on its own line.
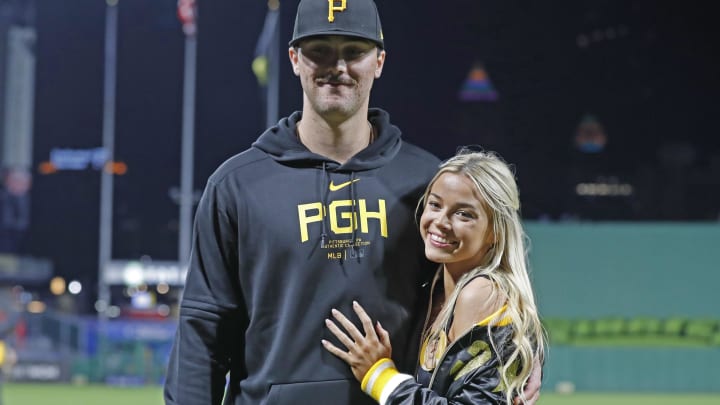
<point x="274" y="250"/>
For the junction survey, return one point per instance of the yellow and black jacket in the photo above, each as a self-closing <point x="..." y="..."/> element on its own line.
<point x="468" y="371"/>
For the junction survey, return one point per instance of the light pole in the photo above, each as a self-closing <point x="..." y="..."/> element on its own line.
<point x="108" y="140"/>
<point x="187" y="12"/>
<point x="106" y="175"/>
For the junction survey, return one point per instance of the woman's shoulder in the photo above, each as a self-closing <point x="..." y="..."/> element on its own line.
<point x="477" y="293"/>
<point x="478" y="299"/>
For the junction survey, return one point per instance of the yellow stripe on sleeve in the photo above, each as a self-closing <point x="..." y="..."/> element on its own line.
<point x="382" y="379"/>
<point x="372" y="374"/>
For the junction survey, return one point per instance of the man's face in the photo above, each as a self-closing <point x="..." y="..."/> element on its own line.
<point x="336" y="73"/>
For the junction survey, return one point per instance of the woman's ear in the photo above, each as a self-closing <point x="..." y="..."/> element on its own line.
<point x="490" y="239"/>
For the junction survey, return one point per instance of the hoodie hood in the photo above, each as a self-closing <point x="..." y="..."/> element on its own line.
<point x="282" y="144"/>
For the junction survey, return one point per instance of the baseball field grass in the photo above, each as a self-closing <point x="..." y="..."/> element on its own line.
<point x="60" y="394"/>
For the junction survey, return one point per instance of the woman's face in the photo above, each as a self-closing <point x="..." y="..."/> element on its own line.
<point x="454" y="224"/>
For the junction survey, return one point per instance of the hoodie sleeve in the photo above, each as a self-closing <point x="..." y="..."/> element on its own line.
<point x="212" y="318"/>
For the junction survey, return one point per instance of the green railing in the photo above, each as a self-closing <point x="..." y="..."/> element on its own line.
<point x="634" y="332"/>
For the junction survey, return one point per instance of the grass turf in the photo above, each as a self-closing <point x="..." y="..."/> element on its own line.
<point x="60" y="394"/>
<point x="65" y="394"/>
<point x="627" y="399"/>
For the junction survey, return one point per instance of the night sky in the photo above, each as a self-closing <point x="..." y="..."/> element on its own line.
<point x="653" y="85"/>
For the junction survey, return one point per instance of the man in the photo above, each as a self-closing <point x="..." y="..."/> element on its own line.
<point x="317" y="213"/>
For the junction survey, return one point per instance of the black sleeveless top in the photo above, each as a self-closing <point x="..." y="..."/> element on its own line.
<point x="423" y="375"/>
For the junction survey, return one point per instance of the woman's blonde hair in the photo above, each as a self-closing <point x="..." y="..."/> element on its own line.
<point x="505" y="263"/>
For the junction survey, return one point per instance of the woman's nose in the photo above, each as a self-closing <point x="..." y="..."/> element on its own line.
<point x="442" y="221"/>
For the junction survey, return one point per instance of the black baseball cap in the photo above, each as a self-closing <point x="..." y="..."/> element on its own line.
<point x="354" y="18"/>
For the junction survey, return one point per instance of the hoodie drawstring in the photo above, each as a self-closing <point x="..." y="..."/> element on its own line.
<point x="353" y="216"/>
<point x="324" y="190"/>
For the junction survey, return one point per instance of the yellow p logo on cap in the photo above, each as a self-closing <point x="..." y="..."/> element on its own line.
<point x="332" y="8"/>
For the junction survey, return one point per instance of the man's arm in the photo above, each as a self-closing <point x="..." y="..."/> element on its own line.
<point x="532" y="388"/>
<point x="210" y="323"/>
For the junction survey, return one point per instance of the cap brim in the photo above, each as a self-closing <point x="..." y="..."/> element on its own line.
<point x="294" y="41"/>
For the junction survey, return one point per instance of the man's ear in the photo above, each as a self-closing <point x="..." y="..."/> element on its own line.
<point x="380" y="63"/>
<point x="293" y="55"/>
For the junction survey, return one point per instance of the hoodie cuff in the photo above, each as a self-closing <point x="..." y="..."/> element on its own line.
<point x="382" y="379"/>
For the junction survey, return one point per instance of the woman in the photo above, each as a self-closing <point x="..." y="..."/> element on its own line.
<point x="482" y="333"/>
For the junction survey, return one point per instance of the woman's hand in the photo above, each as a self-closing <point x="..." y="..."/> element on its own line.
<point x="363" y="350"/>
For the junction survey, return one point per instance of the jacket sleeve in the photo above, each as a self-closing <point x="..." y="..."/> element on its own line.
<point x="212" y="318"/>
<point x="389" y="387"/>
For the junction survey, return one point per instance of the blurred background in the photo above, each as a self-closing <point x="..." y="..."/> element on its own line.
<point x="114" y="113"/>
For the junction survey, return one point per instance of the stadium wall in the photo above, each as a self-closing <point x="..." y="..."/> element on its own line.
<point x="602" y="270"/>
